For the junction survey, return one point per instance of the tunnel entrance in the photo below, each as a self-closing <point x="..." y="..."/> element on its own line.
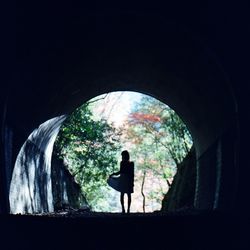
<point x="179" y="71"/>
<point x="91" y="139"/>
<point x="87" y="150"/>
<point x="185" y="58"/>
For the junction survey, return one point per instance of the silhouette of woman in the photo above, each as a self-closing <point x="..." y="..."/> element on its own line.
<point x="125" y="182"/>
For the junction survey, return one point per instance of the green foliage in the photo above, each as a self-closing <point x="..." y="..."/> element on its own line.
<point x="157" y="130"/>
<point x="89" y="150"/>
<point x="155" y="136"/>
<point x="160" y="141"/>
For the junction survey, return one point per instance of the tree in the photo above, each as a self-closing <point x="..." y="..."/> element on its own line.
<point x="160" y="142"/>
<point x="155" y="136"/>
<point x="89" y="150"/>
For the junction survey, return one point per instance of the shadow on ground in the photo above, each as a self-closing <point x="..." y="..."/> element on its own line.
<point x="204" y="230"/>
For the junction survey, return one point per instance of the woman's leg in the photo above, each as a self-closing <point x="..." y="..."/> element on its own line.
<point x="122" y="202"/>
<point x="129" y="201"/>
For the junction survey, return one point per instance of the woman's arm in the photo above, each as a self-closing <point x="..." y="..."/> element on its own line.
<point x="116" y="173"/>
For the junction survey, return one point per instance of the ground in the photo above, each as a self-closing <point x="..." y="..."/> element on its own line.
<point x="87" y="230"/>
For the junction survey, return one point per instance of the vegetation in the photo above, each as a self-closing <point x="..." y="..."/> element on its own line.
<point x="88" y="148"/>
<point x="160" y="141"/>
<point x="155" y="136"/>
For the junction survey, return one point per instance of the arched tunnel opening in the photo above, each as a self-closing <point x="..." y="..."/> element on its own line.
<point x="179" y="71"/>
<point x="56" y="72"/>
<point x="86" y="150"/>
<point x="200" y="94"/>
<point x="31" y="188"/>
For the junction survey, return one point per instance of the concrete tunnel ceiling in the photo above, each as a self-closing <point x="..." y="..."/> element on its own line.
<point x="102" y="52"/>
<point x="170" y="65"/>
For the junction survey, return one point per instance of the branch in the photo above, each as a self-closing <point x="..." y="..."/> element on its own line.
<point x="169" y="184"/>
<point x="96" y="100"/>
<point x="154" y="134"/>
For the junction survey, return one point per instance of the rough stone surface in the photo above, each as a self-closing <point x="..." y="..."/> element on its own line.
<point x="66" y="192"/>
<point x="31" y="186"/>
<point x="182" y="191"/>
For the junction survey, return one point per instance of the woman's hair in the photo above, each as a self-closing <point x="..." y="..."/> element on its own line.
<point x="125" y="155"/>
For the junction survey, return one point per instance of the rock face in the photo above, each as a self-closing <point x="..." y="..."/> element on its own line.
<point x="40" y="184"/>
<point x="182" y="191"/>
<point x="66" y="192"/>
<point x="31" y="185"/>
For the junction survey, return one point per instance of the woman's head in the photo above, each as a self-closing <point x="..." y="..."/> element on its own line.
<point x="125" y="155"/>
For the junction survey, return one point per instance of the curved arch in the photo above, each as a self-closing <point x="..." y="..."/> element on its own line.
<point x="171" y="66"/>
<point x="31" y="187"/>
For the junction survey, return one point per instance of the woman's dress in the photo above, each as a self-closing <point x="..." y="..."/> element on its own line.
<point x="125" y="182"/>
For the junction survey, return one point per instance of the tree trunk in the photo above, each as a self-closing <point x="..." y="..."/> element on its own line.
<point x="143" y="195"/>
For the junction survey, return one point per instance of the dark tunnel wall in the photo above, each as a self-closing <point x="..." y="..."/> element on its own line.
<point x="62" y="64"/>
<point x="31" y="184"/>
<point x="168" y="63"/>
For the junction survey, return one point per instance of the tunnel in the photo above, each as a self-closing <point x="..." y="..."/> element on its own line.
<point x="74" y="56"/>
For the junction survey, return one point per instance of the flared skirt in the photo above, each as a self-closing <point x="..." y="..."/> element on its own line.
<point x="122" y="184"/>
